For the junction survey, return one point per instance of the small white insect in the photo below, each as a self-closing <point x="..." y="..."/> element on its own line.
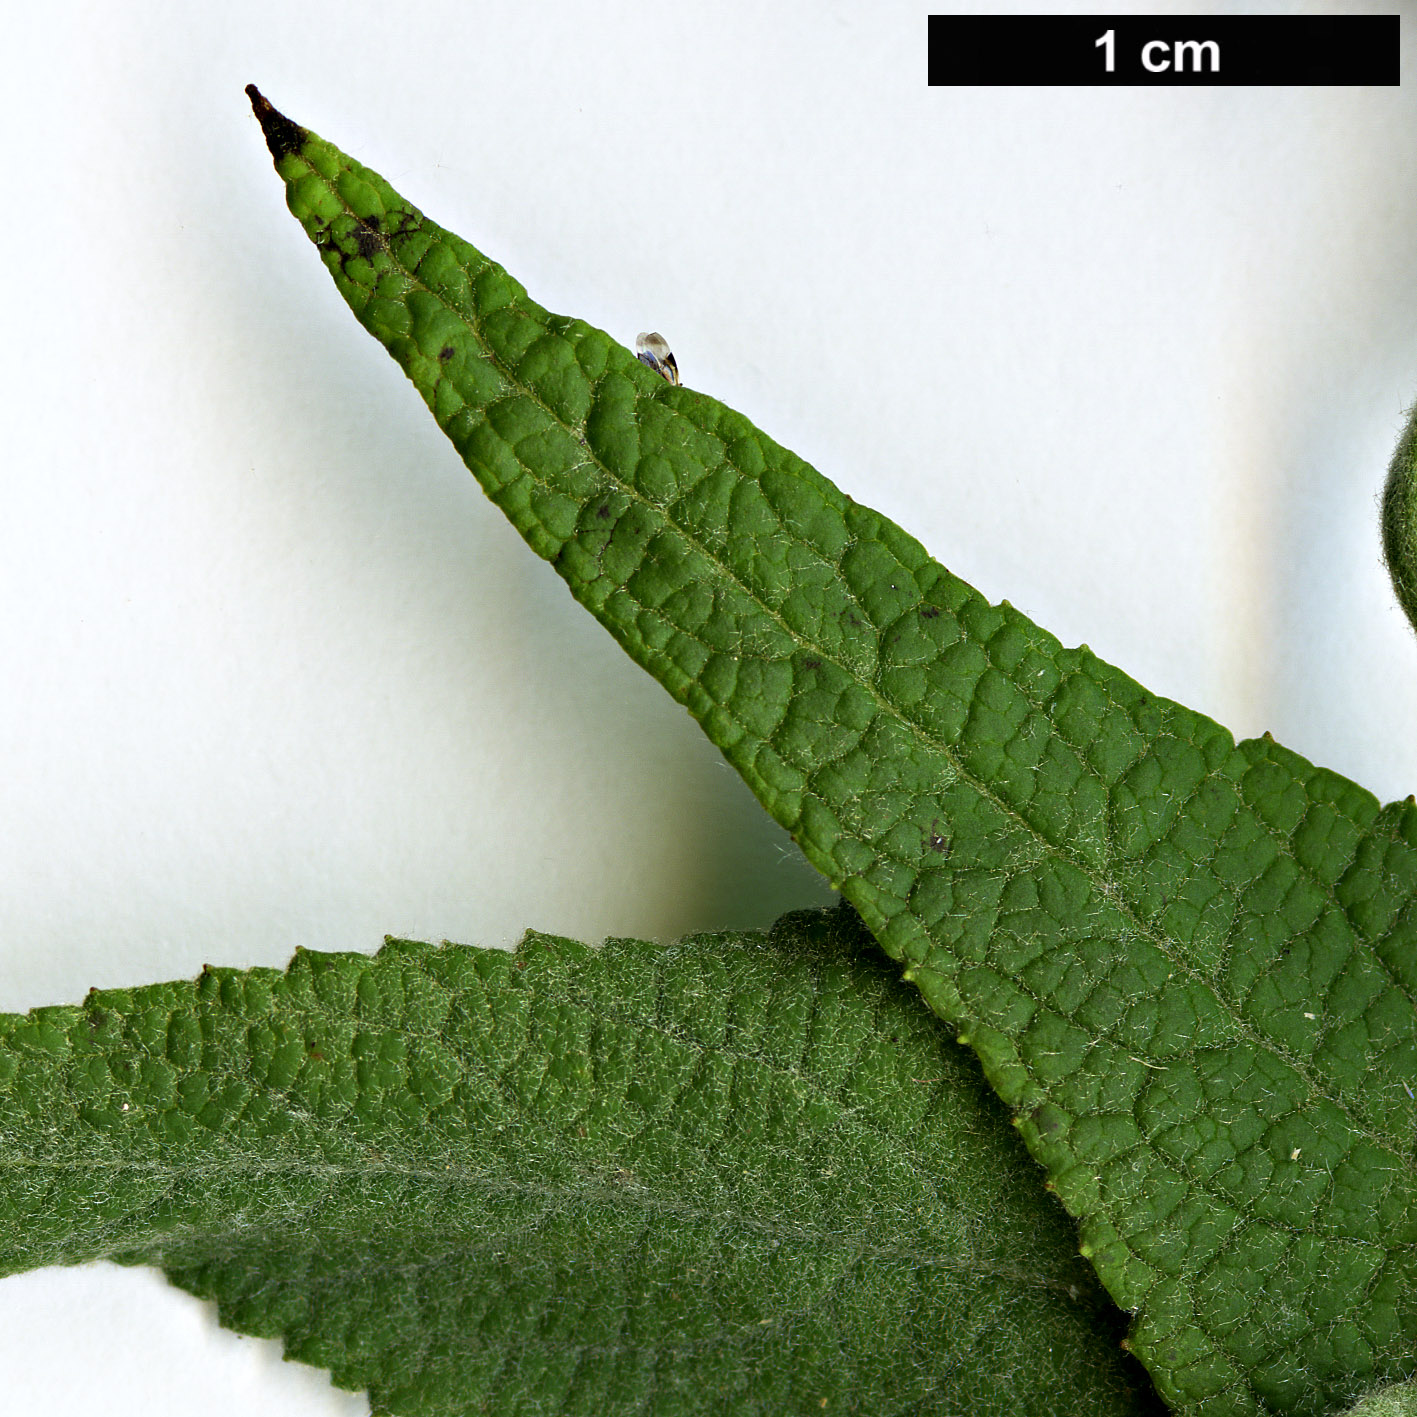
<point x="653" y="349"/>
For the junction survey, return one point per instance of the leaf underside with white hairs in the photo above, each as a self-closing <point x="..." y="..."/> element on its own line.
<point x="742" y="1174"/>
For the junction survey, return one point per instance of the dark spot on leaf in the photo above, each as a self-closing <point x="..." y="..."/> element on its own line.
<point x="282" y="136"/>
<point x="603" y="511"/>
<point x="1045" y="1120"/>
<point x="937" y="841"/>
<point x="446" y="353"/>
<point x="318" y="1056"/>
<point x="929" y="612"/>
<point x="811" y="664"/>
<point x="369" y="240"/>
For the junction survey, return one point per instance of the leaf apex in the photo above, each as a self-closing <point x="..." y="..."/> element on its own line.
<point x="282" y="136"/>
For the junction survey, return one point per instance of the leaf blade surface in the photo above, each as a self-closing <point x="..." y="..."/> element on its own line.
<point x="742" y="1173"/>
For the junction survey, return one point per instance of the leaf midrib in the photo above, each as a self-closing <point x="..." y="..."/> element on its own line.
<point x="849" y="1117"/>
<point x="618" y="1196"/>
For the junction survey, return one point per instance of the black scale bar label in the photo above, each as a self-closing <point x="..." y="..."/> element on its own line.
<point x="1164" y="49"/>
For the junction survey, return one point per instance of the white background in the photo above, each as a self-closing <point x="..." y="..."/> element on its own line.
<point x="275" y="673"/>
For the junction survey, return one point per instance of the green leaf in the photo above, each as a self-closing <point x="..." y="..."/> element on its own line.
<point x="1186" y="963"/>
<point x="1399" y="521"/>
<point x="744" y="1173"/>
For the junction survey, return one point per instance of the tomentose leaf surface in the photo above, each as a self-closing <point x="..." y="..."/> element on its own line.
<point x="740" y="1174"/>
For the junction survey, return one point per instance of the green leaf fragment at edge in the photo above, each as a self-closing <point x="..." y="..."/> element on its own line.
<point x="1399" y="521"/>
<point x="744" y="1173"/>
<point x="1186" y="963"/>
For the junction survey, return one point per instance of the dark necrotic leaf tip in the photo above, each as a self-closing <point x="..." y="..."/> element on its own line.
<point x="282" y="136"/>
